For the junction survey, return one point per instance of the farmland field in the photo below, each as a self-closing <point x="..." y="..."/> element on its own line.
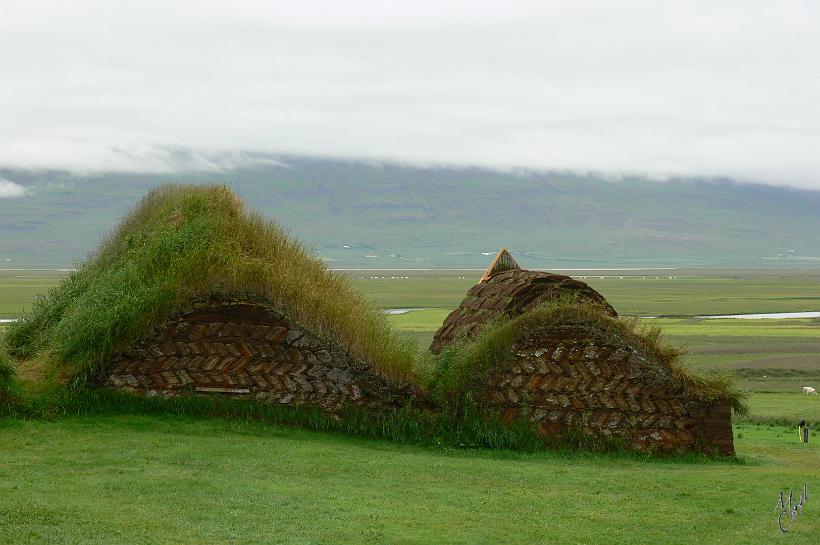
<point x="683" y="292"/>
<point x="17" y="291"/>
<point x="128" y="478"/>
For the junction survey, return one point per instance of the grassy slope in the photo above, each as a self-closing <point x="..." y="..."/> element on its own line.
<point x="184" y="243"/>
<point x="101" y="480"/>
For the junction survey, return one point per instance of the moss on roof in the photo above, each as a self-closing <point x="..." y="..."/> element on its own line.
<point x="184" y="243"/>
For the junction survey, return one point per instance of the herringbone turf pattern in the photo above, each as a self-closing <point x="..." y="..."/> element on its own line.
<point x="244" y="350"/>
<point x="573" y="376"/>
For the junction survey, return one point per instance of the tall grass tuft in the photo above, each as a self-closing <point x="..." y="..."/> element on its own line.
<point x="189" y="242"/>
<point x="6" y="375"/>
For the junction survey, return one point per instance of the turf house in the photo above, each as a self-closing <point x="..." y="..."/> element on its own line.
<point x="194" y="296"/>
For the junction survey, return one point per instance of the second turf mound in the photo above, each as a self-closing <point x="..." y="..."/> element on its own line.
<point x="573" y="371"/>
<point x="542" y="347"/>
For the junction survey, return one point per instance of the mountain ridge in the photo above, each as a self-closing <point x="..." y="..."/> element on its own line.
<point x="412" y="217"/>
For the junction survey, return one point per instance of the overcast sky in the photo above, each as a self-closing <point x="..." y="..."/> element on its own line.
<point x="728" y="88"/>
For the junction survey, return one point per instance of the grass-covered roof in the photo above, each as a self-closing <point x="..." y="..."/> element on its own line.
<point x="183" y="243"/>
<point x="461" y="370"/>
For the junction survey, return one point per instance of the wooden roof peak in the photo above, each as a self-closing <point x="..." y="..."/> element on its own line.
<point x="502" y="262"/>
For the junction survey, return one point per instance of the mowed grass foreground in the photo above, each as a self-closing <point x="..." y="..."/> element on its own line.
<point x="140" y="479"/>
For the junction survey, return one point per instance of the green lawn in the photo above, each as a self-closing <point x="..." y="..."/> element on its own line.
<point x="120" y="479"/>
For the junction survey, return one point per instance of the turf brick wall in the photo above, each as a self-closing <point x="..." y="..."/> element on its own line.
<point x="577" y="377"/>
<point x="246" y="350"/>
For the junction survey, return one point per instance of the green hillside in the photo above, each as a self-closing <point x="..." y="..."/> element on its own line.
<point x="370" y="215"/>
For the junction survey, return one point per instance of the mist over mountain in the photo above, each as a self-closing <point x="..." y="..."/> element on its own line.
<point x="358" y="214"/>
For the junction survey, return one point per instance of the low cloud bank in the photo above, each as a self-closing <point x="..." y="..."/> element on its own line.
<point x="9" y="189"/>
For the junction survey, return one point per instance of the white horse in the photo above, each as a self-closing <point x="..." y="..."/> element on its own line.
<point x="809" y="390"/>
